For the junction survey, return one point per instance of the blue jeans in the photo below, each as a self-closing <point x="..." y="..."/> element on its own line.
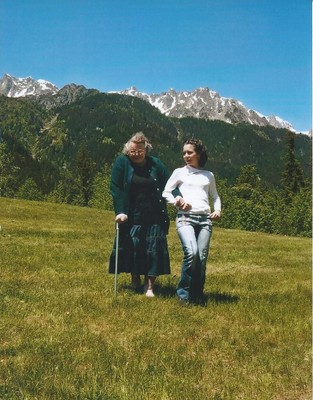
<point x="194" y="232"/>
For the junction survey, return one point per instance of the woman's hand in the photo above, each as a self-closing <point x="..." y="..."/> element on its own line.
<point x="121" y="218"/>
<point x="182" y="204"/>
<point x="215" y="215"/>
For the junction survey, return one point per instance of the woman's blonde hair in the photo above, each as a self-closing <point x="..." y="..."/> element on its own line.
<point x="138" y="137"/>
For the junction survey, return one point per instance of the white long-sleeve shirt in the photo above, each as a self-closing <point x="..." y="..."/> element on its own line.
<point x="197" y="187"/>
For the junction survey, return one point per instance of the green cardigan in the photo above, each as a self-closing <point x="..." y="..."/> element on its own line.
<point x="121" y="177"/>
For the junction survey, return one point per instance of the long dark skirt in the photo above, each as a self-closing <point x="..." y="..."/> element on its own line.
<point x="142" y="251"/>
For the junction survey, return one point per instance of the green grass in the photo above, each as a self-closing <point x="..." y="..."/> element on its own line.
<point x="64" y="336"/>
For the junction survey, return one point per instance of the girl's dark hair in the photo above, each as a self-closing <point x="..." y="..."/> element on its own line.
<point x="200" y="149"/>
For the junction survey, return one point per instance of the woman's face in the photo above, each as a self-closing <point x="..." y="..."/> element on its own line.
<point x="137" y="153"/>
<point x="190" y="156"/>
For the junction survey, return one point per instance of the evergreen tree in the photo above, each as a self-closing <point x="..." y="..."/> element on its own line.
<point x="248" y="175"/>
<point x="85" y="167"/>
<point x="8" y="172"/>
<point x="101" y="196"/>
<point x="29" y="191"/>
<point x="247" y="182"/>
<point x="292" y="178"/>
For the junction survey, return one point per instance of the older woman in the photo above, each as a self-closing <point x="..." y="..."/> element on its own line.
<point x="194" y="217"/>
<point x="137" y="182"/>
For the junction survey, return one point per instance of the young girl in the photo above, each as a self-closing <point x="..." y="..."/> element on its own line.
<point x="194" y="217"/>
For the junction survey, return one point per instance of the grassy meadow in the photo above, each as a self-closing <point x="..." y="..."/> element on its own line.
<point x="64" y="335"/>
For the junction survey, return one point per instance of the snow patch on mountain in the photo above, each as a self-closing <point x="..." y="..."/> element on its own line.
<point x="206" y="103"/>
<point x="21" y="87"/>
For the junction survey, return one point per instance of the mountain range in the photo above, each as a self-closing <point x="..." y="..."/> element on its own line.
<point x="202" y="103"/>
<point x="206" y="104"/>
<point x="61" y="139"/>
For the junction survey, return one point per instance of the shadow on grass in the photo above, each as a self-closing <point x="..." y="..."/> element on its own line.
<point x="169" y="291"/>
<point x="213" y="297"/>
<point x="165" y="290"/>
<point x="220" y="298"/>
<point x="159" y="289"/>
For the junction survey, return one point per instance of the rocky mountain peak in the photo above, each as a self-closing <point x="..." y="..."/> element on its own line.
<point x="207" y="104"/>
<point x="20" y="87"/>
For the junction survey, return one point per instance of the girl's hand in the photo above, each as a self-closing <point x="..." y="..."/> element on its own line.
<point x="182" y="204"/>
<point x="215" y="215"/>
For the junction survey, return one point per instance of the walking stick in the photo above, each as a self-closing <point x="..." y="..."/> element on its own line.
<point x="116" y="258"/>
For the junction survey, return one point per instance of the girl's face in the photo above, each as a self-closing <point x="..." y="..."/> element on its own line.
<point x="137" y="153"/>
<point x="190" y="156"/>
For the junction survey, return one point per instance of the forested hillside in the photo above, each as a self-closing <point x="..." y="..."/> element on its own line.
<point x="65" y="153"/>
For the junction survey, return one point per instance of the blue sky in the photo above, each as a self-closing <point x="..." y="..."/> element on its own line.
<point x="256" y="51"/>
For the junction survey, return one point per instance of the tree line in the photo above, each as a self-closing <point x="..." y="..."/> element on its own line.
<point x="248" y="203"/>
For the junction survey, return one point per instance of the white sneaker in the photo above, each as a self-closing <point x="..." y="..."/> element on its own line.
<point x="148" y="292"/>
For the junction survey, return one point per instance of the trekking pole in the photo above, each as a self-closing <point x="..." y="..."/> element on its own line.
<point x="116" y="258"/>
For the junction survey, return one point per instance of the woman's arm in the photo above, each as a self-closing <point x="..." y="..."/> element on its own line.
<point x="172" y="193"/>
<point x="217" y="205"/>
<point x="171" y="185"/>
